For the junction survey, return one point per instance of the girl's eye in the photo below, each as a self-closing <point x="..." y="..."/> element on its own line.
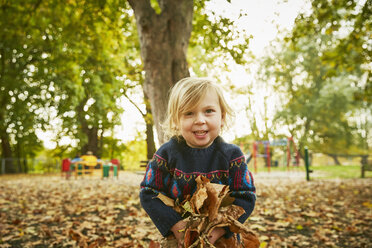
<point x="188" y="113"/>
<point x="208" y="111"/>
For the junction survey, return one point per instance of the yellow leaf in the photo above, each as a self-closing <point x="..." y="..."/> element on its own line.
<point x="263" y="244"/>
<point x="336" y="228"/>
<point x="367" y="204"/>
<point x="187" y="207"/>
<point x="264" y="237"/>
<point x="311" y="214"/>
<point x="299" y="227"/>
<point x="258" y="227"/>
<point x="329" y="215"/>
<point x="166" y="200"/>
<point x="3" y="201"/>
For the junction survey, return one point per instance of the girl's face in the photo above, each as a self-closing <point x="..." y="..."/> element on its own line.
<point x="202" y="124"/>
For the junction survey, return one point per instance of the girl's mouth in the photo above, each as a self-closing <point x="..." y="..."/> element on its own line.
<point x="200" y="133"/>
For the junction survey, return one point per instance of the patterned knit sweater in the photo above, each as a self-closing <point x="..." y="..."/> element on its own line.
<point x="173" y="170"/>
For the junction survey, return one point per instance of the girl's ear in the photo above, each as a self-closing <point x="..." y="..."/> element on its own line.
<point x="223" y="117"/>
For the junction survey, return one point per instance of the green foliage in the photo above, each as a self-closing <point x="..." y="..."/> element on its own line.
<point x="215" y="41"/>
<point x="114" y="148"/>
<point x="66" y="64"/>
<point x="246" y="143"/>
<point x="72" y="60"/>
<point x="23" y="92"/>
<point x="62" y="60"/>
<point x="93" y="50"/>
<point x="135" y="152"/>
<point x="318" y="77"/>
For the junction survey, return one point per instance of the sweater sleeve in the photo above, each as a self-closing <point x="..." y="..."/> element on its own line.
<point x="243" y="190"/>
<point x="242" y="186"/>
<point x="156" y="181"/>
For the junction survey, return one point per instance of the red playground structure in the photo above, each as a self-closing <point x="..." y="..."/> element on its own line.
<point x="291" y="151"/>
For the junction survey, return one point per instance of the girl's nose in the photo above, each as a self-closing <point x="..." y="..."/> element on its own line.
<point x="199" y="119"/>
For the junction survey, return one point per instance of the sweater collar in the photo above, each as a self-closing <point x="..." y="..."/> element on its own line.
<point x="181" y="142"/>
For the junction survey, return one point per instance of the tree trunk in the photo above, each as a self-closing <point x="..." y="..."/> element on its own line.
<point x="100" y="144"/>
<point x="92" y="144"/>
<point x="147" y="117"/>
<point x="90" y="132"/>
<point x="20" y="158"/>
<point x="6" y="152"/>
<point x="335" y="159"/>
<point x="151" y="149"/>
<point x="164" y="39"/>
<point x="25" y="166"/>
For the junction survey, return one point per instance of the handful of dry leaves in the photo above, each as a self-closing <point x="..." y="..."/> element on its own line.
<point x="210" y="207"/>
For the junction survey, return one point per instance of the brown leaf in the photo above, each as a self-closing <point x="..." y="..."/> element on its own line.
<point x="226" y="243"/>
<point x="99" y="242"/>
<point x="154" y="244"/>
<point x="250" y="240"/>
<point x="16" y="221"/>
<point x="191" y="236"/>
<point x="233" y="210"/>
<point x="213" y="202"/>
<point x="77" y="236"/>
<point x="198" y="199"/>
<point x="208" y="197"/>
<point x="46" y="230"/>
<point x="208" y="214"/>
<point x="168" y="242"/>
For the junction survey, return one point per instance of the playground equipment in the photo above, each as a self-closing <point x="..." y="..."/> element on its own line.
<point x="307" y="165"/>
<point x="110" y="167"/>
<point x="290" y="150"/>
<point x="84" y="168"/>
<point x="65" y="170"/>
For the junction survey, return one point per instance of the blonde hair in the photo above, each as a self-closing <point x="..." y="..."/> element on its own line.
<point x="187" y="93"/>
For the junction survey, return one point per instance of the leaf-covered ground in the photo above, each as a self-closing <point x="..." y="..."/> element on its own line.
<point x="89" y="212"/>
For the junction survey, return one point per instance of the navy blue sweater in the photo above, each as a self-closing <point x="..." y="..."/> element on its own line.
<point x="173" y="170"/>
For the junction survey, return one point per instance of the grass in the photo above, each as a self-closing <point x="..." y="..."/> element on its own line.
<point x="319" y="171"/>
<point x="324" y="171"/>
<point x="339" y="171"/>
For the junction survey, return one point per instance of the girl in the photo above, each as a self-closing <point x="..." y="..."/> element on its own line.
<point x="196" y="113"/>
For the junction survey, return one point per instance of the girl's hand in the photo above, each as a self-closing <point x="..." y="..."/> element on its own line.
<point x="217" y="233"/>
<point x="177" y="234"/>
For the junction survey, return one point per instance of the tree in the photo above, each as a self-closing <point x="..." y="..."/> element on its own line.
<point x="85" y="65"/>
<point x="23" y="90"/>
<point x="164" y="38"/>
<point x="320" y="68"/>
<point x="165" y="28"/>
<point x="347" y="24"/>
<point x="59" y="60"/>
<point x="63" y="64"/>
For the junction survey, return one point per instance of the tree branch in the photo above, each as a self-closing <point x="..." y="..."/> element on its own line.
<point x="135" y="105"/>
<point x="142" y="8"/>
